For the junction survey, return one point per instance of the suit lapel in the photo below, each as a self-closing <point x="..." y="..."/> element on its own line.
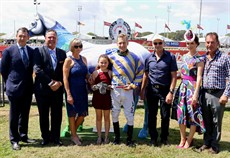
<point x="47" y="54"/>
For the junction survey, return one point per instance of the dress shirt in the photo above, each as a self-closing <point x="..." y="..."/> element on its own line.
<point x="216" y="72"/>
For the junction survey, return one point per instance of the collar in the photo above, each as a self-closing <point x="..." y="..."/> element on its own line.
<point x="51" y="50"/>
<point x="164" y="52"/>
<point x="122" y="53"/>
<point x="21" y="46"/>
<point x="218" y="52"/>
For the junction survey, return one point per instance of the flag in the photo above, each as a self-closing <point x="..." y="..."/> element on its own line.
<point x="137" y="25"/>
<point x="80" y="23"/>
<point x="166" y="26"/>
<point x="199" y="27"/>
<point x="107" y="23"/>
<point x="228" y="26"/>
<point x="135" y="34"/>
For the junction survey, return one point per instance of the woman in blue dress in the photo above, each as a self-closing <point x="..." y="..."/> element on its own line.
<point x="75" y="74"/>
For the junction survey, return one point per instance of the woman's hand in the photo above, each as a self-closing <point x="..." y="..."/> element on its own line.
<point x="70" y="99"/>
<point x="194" y="100"/>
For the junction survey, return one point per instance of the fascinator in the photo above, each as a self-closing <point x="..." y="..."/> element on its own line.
<point x="189" y="36"/>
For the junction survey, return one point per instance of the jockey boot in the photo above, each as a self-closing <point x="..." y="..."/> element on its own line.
<point x="117" y="133"/>
<point x="129" y="141"/>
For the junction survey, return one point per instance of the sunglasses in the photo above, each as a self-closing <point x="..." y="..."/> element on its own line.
<point x="80" y="46"/>
<point x="159" y="43"/>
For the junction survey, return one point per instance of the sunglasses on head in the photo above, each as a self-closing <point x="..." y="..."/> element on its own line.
<point x="80" y="46"/>
<point x="159" y="43"/>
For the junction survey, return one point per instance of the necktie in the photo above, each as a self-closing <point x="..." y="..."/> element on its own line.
<point x="53" y="58"/>
<point x="24" y="57"/>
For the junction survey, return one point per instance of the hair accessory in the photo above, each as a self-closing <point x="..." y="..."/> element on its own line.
<point x="189" y="36"/>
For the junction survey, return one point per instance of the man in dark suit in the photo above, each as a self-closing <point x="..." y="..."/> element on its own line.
<point x="48" y="62"/>
<point x="17" y="70"/>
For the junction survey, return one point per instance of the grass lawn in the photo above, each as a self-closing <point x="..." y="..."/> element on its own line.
<point x="89" y="148"/>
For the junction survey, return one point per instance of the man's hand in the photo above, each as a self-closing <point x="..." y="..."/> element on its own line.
<point x="223" y="100"/>
<point x="169" y="98"/>
<point x="56" y="85"/>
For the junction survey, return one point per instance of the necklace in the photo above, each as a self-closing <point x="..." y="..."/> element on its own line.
<point x="189" y="54"/>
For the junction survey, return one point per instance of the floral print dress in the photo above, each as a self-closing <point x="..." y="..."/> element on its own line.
<point x="186" y="113"/>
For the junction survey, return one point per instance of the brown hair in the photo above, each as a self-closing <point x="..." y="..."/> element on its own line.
<point x="196" y="40"/>
<point x="106" y="57"/>
<point x="23" y="29"/>
<point x="51" y="30"/>
<point x="213" y="34"/>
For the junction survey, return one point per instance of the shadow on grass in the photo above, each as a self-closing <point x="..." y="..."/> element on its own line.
<point x="89" y="138"/>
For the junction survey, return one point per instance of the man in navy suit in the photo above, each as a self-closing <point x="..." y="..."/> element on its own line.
<point x="48" y="62"/>
<point x="17" y="70"/>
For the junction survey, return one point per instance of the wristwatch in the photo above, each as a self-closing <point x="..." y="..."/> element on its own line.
<point x="171" y="91"/>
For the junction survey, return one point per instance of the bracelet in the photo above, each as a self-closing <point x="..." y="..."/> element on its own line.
<point x="171" y="91"/>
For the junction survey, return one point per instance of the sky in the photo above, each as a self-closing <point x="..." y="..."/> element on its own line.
<point x="150" y="14"/>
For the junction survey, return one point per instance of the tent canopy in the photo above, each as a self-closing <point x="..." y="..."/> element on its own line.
<point x="150" y="37"/>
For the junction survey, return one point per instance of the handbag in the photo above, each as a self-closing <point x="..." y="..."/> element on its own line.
<point x="175" y="103"/>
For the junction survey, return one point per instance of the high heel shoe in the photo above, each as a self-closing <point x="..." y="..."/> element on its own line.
<point x="180" y="146"/>
<point x="76" y="141"/>
<point x="187" y="145"/>
<point x="99" y="140"/>
<point x="106" y="141"/>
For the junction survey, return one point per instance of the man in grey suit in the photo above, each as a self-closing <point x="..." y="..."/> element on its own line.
<point x="17" y="70"/>
<point x="48" y="63"/>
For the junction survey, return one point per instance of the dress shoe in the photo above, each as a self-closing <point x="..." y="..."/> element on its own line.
<point x="44" y="142"/>
<point x="213" y="151"/>
<point x="203" y="147"/>
<point x="165" y="142"/>
<point x="130" y="143"/>
<point x="58" y="142"/>
<point x="153" y="143"/>
<point x="28" y="140"/>
<point x="116" y="141"/>
<point x="16" y="146"/>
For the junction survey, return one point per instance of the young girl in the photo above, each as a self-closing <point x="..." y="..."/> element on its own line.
<point x="101" y="79"/>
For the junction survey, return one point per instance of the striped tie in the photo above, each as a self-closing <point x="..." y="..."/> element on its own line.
<point x="54" y="59"/>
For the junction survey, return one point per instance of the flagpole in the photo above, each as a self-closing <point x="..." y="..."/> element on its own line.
<point x="134" y="29"/>
<point x="200" y="17"/>
<point x="218" y="20"/>
<point x="103" y="28"/>
<point x="168" y="9"/>
<point x="156" y="25"/>
<point x="79" y="9"/>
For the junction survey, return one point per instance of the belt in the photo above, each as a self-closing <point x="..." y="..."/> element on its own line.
<point x="211" y="91"/>
<point x="158" y="86"/>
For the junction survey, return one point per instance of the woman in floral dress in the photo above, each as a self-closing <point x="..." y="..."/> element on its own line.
<point x="188" y="110"/>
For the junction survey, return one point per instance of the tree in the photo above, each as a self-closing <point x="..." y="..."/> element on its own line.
<point x="91" y="34"/>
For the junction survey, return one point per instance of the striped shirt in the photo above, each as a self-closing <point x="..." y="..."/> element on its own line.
<point x="125" y="69"/>
<point x="216" y="72"/>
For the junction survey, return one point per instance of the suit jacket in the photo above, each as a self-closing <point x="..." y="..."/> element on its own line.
<point x="44" y="71"/>
<point x="17" y="76"/>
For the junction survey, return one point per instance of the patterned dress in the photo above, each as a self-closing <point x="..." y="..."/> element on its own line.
<point x="186" y="113"/>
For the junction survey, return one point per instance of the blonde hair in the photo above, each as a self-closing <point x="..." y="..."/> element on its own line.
<point x="73" y="42"/>
<point x="122" y="35"/>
